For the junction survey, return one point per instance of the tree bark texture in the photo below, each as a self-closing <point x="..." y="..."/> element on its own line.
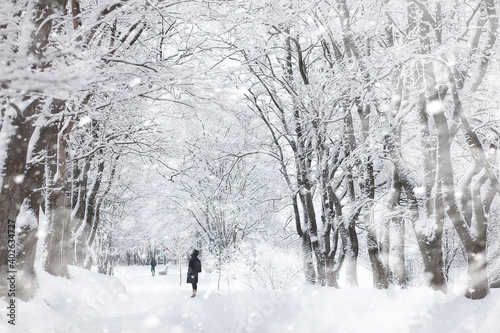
<point x="17" y="184"/>
<point x="59" y="239"/>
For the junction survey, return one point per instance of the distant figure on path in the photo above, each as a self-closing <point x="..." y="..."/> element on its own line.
<point x="194" y="268"/>
<point x="153" y="265"/>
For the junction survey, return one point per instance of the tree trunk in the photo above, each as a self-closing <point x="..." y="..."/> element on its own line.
<point x="307" y="255"/>
<point x="16" y="183"/>
<point x="398" y="256"/>
<point x="80" y="202"/>
<point x="59" y="240"/>
<point x="398" y="233"/>
<point x="477" y="271"/>
<point x="331" y="273"/>
<point x="430" y="245"/>
<point x="28" y="231"/>
<point x="350" y="252"/>
<point x="380" y="280"/>
<point x="384" y="232"/>
<point x="27" y="240"/>
<point x="477" y="265"/>
<point x="88" y="220"/>
<point x="349" y="240"/>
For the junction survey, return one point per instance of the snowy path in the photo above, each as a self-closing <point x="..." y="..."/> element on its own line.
<point x="133" y="301"/>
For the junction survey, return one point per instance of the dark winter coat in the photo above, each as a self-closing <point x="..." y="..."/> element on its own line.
<point x="194" y="268"/>
<point x="153" y="262"/>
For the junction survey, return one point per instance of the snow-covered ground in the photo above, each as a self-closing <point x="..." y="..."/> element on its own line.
<point x="133" y="301"/>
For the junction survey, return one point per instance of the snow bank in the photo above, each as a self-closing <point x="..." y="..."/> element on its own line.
<point x="134" y="301"/>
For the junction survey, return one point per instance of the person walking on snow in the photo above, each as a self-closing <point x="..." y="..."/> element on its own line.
<point x="194" y="268"/>
<point x="153" y="265"/>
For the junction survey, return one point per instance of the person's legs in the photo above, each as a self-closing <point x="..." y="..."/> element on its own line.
<point x="195" y="289"/>
<point x="152" y="270"/>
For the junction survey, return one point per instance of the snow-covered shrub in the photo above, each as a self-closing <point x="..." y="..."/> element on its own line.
<point x="264" y="266"/>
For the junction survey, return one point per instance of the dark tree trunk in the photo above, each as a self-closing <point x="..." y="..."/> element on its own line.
<point x="307" y="254"/>
<point x="331" y="273"/>
<point x="349" y="255"/>
<point x="349" y="240"/>
<point x="15" y="189"/>
<point x="16" y="183"/>
<point x="26" y="282"/>
<point x="352" y="254"/>
<point x="380" y="280"/>
<point x="432" y="256"/>
<point x="28" y="233"/>
<point x="477" y="271"/>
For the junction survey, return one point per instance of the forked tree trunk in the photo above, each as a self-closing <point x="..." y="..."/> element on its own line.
<point x="349" y="240"/>
<point x="331" y="272"/>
